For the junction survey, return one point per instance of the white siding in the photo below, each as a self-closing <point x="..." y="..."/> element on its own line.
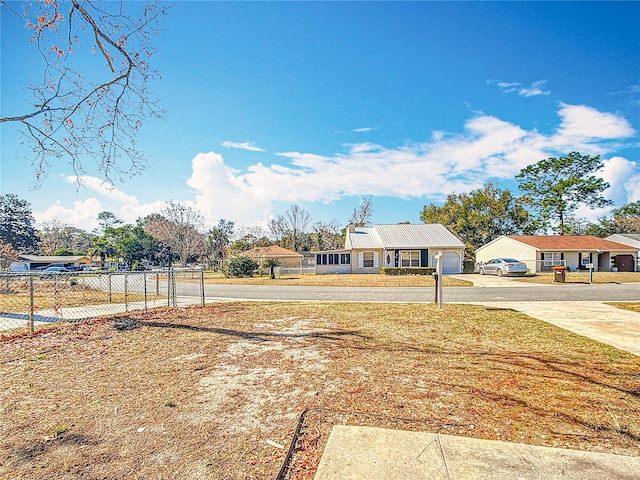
<point x="507" y="247"/>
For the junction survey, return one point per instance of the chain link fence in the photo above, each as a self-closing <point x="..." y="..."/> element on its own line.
<point x="30" y="299"/>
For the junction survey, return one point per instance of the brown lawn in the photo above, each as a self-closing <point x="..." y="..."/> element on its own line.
<point x="198" y="392"/>
<point x="583" y="277"/>
<point x="347" y="280"/>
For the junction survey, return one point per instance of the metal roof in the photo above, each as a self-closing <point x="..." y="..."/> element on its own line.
<point x="403" y="236"/>
<point x="53" y="258"/>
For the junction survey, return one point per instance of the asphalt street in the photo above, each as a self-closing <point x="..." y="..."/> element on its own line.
<point x="527" y="293"/>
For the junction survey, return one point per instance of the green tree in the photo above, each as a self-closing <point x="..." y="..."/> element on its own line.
<point x="102" y="247"/>
<point x="218" y="241"/>
<point x="16" y="224"/>
<point x="625" y="219"/>
<point x="555" y="187"/>
<point x="107" y="220"/>
<point x="133" y="244"/>
<point x="271" y="264"/>
<point x="480" y="216"/>
<point x="242" y="266"/>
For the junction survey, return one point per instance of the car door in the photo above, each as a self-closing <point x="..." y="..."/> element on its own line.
<point x="490" y="267"/>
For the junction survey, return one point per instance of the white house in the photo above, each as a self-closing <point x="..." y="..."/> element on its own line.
<point x="631" y="239"/>
<point x="542" y="252"/>
<point x="367" y="249"/>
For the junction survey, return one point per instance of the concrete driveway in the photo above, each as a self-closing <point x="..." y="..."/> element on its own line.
<point x="596" y="320"/>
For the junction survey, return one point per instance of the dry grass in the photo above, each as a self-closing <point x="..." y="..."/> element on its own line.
<point x="631" y="306"/>
<point x="346" y="280"/>
<point x="196" y="393"/>
<point x="583" y="277"/>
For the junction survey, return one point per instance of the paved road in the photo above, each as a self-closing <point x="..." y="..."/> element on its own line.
<point x="528" y="293"/>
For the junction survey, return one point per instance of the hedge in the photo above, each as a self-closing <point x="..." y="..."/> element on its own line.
<point x="408" y="271"/>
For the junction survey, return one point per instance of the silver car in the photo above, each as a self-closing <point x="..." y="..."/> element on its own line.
<point x="503" y="266"/>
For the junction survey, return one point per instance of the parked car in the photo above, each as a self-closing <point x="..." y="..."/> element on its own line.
<point x="503" y="266"/>
<point x="56" y="270"/>
<point x="45" y="267"/>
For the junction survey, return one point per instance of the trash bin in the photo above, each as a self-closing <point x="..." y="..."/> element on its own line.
<point x="559" y="274"/>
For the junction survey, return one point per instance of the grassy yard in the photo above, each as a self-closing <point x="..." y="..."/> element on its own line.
<point x="198" y="392"/>
<point x="345" y="280"/>
<point x="583" y="277"/>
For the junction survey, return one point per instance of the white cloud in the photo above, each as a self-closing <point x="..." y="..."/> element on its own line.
<point x="534" y="90"/>
<point x="624" y="177"/>
<point x="488" y="148"/>
<point x="583" y="123"/>
<point x="84" y="213"/>
<point x="243" y="146"/>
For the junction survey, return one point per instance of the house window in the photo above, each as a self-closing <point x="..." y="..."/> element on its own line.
<point x="411" y="258"/>
<point x="345" y="258"/>
<point x="586" y="259"/>
<point x="552" y="259"/>
<point x="367" y="259"/>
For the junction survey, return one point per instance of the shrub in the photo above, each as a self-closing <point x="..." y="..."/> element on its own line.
<point x="242" y="266"/>
<point x="408" y="271"/>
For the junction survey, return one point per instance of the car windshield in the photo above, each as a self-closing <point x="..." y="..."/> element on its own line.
<point x="510" y="260"/>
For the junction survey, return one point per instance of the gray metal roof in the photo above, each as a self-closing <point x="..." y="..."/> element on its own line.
<point x="53" y="258"/>
<point x="631" y="239"/>
<point x="364" y="237"/>
<point x="404" y="236"/>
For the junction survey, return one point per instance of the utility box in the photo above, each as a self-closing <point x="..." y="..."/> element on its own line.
<point x="559" y="274"/>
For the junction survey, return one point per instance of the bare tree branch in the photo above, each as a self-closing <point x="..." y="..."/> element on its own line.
<point x="83" y="114"/>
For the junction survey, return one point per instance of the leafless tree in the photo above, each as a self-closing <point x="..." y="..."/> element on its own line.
<point x="361" y="217"/>
<point x="181" y="228"/>
<point x="297" y="219"/>
<point x="279" y="229"/>
<point x="56" y="234"/>
<point x="92" y="98"/>
<point x="328" y="235"/>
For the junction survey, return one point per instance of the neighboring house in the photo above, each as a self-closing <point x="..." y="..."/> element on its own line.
<point x="287" y="258"/>
<point x="73" y="261"/>
<point x="367" y="249"/>
<point x="542" y="252"/>
<point x="631" y="239"/>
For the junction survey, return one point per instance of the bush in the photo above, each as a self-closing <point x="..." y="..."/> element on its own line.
<point x="408" y="271"/>
<point x="242" y="266"/>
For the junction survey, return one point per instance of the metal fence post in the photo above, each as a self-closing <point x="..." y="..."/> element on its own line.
<point x="169" y="287"/>
<point x="31" y="303"/>
<point x="109" y="277"/>
<point x="144" y="279"/>
<point x="126" y="293"/>
<point x="202" y="287"/>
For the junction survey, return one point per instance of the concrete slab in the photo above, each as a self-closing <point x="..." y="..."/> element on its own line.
<point x="364" y="453"/>
<point x="607" y="324"/>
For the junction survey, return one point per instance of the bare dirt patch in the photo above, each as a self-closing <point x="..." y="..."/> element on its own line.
<point x="214" y="392"/>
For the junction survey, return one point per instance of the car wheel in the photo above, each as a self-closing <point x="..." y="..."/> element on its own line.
<point x="482" y="271"/>
<point x="499" y="272"/>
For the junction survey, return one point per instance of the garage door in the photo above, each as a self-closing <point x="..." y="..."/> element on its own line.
<point x="450" y="262"/>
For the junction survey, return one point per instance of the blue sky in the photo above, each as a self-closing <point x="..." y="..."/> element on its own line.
<point x="323" y="104"/>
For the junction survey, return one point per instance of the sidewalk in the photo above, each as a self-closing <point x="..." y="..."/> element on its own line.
<point x="366" y="453"/>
